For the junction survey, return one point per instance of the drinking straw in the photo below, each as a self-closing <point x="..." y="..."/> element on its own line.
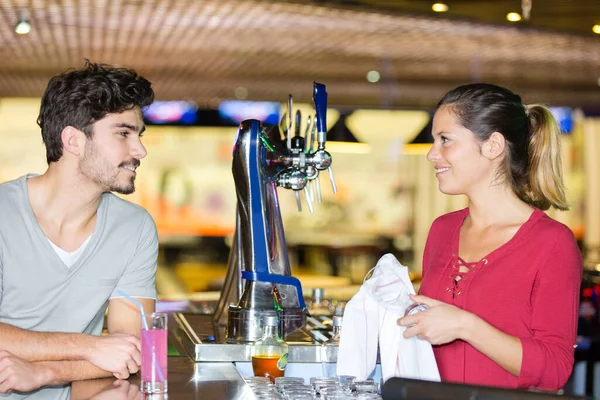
<point x="142" y="314"/>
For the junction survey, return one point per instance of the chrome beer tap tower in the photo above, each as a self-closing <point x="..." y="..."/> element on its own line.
<point x="259" y="280"/>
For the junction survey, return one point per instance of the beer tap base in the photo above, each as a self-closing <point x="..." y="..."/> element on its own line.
<point x="244" y="325"/>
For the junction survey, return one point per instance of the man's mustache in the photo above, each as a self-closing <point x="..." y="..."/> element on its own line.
<point x="133" y="163"/>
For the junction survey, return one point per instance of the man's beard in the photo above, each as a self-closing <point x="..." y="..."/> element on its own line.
<point x="95" y="168"/>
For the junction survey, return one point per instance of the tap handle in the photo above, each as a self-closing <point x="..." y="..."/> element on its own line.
<point x="320" y="101"/>
<point x="333" y="186"/>
<point x="298" y="141"/>
<point x="308" y="199"/>
<point x="318" y="185"/>
<point x="298" y="201"/>
<point x="283" y="130"/>
<point x="290" y="104"/>
<point x="298" y="123"/>
<point x="307" y="134"/>
<point x="310" y="189"/>
<point x="311" y="140"/>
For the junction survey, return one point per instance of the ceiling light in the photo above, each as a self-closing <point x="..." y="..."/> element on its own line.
<point x="340" y="138"/>
<point x="373" y="76"/>
<point x="596" y="29"/>
<point x="513" y="17"/>
<point x="241" y="93"/>
<point x="23" y="27"/>
<point x="439" y="7"/>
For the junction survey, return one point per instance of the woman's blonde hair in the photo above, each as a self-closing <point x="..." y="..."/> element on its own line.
<point x="546" y="187"/>
<point x="532" y="163"/>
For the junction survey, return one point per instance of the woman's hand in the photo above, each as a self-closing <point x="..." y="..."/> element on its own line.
<point x="441" y="323"/>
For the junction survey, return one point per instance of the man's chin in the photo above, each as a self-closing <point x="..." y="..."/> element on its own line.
<point x="126" y="189"/>
<point x="123" y="190"/>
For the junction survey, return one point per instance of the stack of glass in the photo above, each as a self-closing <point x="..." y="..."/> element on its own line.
<point x="320" y="388"/>
<point x="262" y="387"/>
<point x="326" y="385"/>
<point x="294" y="388"/>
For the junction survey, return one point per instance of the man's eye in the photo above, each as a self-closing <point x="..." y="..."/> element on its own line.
<point x="124" y="133"/>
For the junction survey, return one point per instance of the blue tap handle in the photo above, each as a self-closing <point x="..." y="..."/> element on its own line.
<point x="320" y="100"/>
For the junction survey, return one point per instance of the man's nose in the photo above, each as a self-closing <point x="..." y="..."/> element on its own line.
<point x="138" y="151"/>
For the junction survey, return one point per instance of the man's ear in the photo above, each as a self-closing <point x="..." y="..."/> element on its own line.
<point x="494" y="146"/>
<point x="73" y="140"/>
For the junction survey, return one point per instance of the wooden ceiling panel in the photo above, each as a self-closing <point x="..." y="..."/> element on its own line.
<point x="204" y="50"/>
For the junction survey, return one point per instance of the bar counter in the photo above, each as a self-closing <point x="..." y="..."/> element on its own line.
<point x="221" y="381"/>
<point x="187" y="380"/>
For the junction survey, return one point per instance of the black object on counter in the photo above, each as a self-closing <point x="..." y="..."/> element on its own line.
<point x="413" y="389"/>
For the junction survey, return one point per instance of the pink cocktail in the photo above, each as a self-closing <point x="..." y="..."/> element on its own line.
<point x="154" y="354"/>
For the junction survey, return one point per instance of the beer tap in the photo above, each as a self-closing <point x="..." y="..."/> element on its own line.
<point x="305" y="164"/>
<point x="259" y="281"/>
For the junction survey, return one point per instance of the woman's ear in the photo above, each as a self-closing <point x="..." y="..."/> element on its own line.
<point x="494" y="146"/>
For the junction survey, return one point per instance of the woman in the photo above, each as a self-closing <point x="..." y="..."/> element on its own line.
<point x="500" y="277"/>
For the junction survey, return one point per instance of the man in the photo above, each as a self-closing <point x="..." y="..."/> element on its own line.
<point x="67" y="244"/>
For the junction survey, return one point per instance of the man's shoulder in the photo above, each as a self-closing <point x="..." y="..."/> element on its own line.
<point x="121" y="211"/>
<point x="12" y="186"/>
<point x="11" y="192"/>
<point x="118" y="206"/>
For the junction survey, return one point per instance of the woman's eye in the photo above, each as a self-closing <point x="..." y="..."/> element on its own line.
<point x="444" y="139"/>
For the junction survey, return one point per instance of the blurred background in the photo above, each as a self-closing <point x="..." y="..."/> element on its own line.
<point x="214" y="63"/>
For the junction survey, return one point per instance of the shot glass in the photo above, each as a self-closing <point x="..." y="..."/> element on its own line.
<point x="366" y="387"/>
<point x="154" y="353"/>
<point x="415" y="308"/>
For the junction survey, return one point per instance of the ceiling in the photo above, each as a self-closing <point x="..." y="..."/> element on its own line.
<point x="205" y="50"/>
<point x="569" y="16"/>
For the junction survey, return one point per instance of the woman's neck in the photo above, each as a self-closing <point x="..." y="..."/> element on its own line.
<point x="498" y="205"/>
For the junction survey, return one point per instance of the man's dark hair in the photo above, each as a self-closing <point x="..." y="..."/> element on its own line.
<point x="79" y="98"/>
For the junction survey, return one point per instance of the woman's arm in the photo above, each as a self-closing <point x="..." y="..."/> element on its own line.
<point x="504" y="349"/>
<point x="443" y="323"/>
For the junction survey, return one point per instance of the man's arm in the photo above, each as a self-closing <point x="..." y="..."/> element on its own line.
<point x="138" y="281"/>
<point x="124" y="316"/>
<point x="62" y="372"/>
<point x="44" y="346"/>
<point x="19" y="373"/>
<point x="24" y="376"/>
<point x="110" y="352"/>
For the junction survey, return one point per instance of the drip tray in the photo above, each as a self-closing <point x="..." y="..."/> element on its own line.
<point x="197" y="336"/>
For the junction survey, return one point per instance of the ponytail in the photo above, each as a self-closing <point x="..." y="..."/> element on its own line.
<point x="546" y="187"/>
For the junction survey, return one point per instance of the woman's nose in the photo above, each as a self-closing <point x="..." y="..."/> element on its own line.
<point x="433" y="154"/>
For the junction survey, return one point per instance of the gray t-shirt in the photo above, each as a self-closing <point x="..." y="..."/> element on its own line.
<point x="39" y="292"/>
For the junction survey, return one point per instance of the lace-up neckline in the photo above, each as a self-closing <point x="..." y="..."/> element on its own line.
<point x="460" y="269"/>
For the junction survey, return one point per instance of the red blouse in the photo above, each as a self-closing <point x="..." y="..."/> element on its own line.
<point x="528" y="288"/>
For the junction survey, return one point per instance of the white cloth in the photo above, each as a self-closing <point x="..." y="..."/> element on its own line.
<point x="370" y="319"/>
